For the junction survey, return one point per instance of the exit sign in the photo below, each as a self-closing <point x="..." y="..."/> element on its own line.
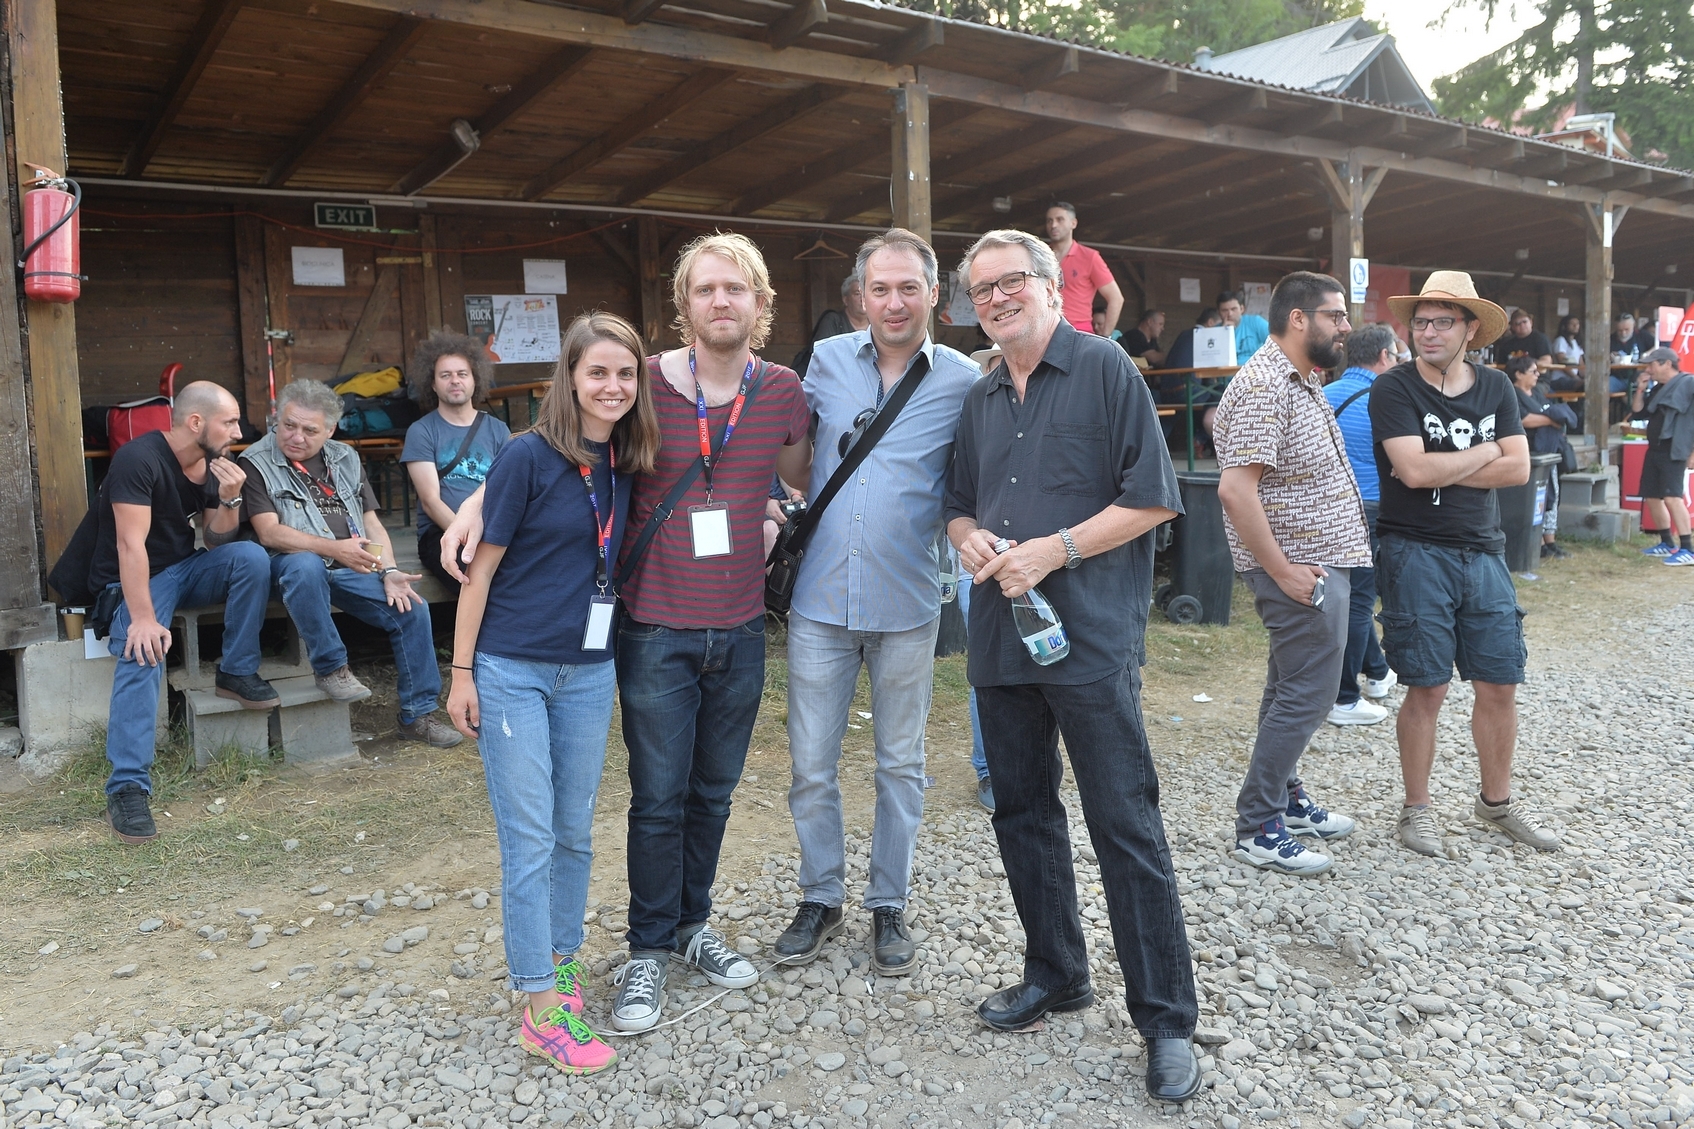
<point x="346" y="217"/>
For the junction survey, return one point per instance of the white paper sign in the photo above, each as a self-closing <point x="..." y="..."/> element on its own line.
<point x="544" y="276"/>
<point x="1189" y="290"/>
<point x="1258" y="298"/>
<point x="1214" y="346"/>
<point x="1358" y="276"/>
<point x="960" y="310"/>
<point x="318" y="266"/>
<point x="1564" y="307"/>
<point x="526" y="329"/>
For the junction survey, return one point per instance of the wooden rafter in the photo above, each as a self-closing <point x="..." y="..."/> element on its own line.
<point x="926" y="36"/>
<point x="406" y="31"/>
<point x="626" y="132"/>
<point x="945" y="169"/>
<point x="638" y="11"/>
<point x="536" y="85"/>
<point x="806" y="17"/>
<point x="196" y="54"/>
<point x="1064" y="62"/>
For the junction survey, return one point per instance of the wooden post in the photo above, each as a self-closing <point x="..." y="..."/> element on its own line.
<point x="450" y="275"/>
<point x="1350" y="192"/>
<point x="1597" y="324"/>
<point x="56" y="402"/>
<point x="279" y="281"/>
<point x="909" y="177"/>
<point x="250" y="300"/>
<point x="433" y="318"/>
<point x="652" y="292"/>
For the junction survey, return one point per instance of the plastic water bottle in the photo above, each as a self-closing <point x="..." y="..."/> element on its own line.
<point x="949" y="575"/>
<point x="1037" y="623"/>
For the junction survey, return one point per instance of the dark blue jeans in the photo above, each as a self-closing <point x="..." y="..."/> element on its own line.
<point x="1103" y="731"/>
<point x="1363" y="652"/>
<point x="689" y="699"/>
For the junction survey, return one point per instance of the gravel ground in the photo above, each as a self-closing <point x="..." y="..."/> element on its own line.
<point x="1495" y="987"/>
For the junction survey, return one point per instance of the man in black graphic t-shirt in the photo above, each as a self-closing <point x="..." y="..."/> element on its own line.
<point x="1447" y="433"/>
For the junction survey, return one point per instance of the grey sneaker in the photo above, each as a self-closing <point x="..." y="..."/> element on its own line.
<point x="341" y="686"/>
<point x="641" y="992"/>
<point x="721" y="964"/>
<point x="1419" y="831"/>
<point x="432" y="732"/>
<point x="1516" y="820"/>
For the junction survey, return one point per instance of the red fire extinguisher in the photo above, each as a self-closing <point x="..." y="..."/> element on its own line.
<point x="52" y="260"/>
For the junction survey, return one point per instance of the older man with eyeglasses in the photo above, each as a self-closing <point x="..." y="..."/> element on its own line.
<point x="1059" y="469"/>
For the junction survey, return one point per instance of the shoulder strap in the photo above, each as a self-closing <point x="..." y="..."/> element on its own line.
<point x="662" y="512"/>
<point x="465" y="446"/>
<point x="1348" y="402"/>
<point x="868" y="439"/>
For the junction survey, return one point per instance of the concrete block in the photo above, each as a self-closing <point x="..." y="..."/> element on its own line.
<point x="11" y="745"/>
<point x="62" y="698"/>
<point x="1608" y="526"/>
<point x="1584" y="490"/>
<point x="216" y="724"/>
<point x="314" y="730"/>
<point x="196" y="673"/>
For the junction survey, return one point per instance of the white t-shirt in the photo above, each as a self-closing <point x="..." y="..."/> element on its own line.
<point x="1569" y="348"/>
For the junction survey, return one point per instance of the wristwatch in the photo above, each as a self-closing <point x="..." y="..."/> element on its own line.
<point x="230" y="503"/>
<point x="382" y="572"/>
<point x="1072" y="557"/>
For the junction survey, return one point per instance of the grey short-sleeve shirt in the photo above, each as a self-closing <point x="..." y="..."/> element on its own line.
<point x="1086" y="436"/>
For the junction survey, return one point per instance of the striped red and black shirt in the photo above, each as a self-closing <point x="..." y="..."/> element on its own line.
<point x="671" y="587"/>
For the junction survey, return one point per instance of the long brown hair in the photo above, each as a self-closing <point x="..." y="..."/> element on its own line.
<point x="635" y="437"/>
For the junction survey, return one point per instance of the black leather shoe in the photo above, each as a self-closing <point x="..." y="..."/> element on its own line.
<point x="130" y="817"/>
<point x="1014" y="1008"/>
<point x="892" y="951"/>
<point x="1173" y="1072"/>
<point x="253" y="692"/>
<point x="814" y="924"/>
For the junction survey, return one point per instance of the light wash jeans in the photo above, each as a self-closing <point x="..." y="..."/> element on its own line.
<point x="823" y="672"/>
<point x="979" y="759"/>
<point x="237" y="575"/>
<point x="543" y="742"/>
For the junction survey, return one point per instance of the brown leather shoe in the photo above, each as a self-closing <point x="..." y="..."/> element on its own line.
<point x="432" y="732"/>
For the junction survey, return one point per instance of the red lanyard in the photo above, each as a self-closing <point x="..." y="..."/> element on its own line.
<point x="706" y="455"/>
<point x="325" y="488"/>
<point x="603" y="567"/>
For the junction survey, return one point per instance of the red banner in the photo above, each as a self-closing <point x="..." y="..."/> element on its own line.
<point x="1385" y="283"/>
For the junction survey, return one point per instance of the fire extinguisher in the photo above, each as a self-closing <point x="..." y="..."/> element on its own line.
<point x="52" y="259"/>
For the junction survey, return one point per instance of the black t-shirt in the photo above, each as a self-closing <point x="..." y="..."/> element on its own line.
<point x="1628" y="346"/>
<point x="255" y="499"/>
<point x="1403" y="403"/>
<point x="1136" y="343"/>
<point x="1535" y="345"/>
<point x="145" y="472"/>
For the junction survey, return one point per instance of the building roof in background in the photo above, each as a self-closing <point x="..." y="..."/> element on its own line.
<point x="1349" y="57"/>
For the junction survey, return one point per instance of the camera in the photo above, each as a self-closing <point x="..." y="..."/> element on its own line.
<point x="794" y="508"/>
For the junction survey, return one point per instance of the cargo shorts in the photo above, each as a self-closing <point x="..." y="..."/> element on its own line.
<point x="1444" y="606"/>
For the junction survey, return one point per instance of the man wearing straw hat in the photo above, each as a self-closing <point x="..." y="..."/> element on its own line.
<point x="1447" y="433"/>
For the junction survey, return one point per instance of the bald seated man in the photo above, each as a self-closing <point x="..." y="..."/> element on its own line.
<point x="146" y="563"/>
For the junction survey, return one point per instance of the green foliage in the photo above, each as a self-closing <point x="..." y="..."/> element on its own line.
<point x="1639" y="53"/>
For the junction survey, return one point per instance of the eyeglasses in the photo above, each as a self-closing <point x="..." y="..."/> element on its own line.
<point x="1337" y="318"/>
<point x="1009" y="285"/>
<point x="860" y="422"/>
<point x="1441" y="324"/>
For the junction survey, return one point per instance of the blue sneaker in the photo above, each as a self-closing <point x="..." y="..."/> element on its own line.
<point x="1304" y="817"/>
<point x="1681" y="557"/>
<point x="1660" y="550"/>
<point x="1275" y="849"/>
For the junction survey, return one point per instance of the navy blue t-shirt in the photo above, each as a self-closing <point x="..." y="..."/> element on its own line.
<point x="537" y="507"/>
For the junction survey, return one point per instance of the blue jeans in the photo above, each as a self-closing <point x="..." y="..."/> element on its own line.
<point x="979" y="760"/>
<point x="689" y="702"/>
<point x="307" y="589"/>
<point x="543" y="742"/>
<point x="1103" y="731"/>
<point x="237" y="575"/>
<point x="823" y="673"/>
<point x="1363" y="652"/>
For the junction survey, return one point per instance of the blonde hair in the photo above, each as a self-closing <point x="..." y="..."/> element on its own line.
<point x="635" y="437"/>
<point x="741" y="252"/>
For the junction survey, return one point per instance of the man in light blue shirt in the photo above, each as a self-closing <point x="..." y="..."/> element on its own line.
<point x="1251" y="330"/>
<point x="869" y="594"/>
<point x="1370" y="352"/>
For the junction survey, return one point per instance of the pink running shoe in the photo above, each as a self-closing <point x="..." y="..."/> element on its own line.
<point x="569" y="984"/>
<point x="566" y="1042"/>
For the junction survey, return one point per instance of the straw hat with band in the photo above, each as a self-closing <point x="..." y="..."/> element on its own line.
<point x="1455" y="288"/>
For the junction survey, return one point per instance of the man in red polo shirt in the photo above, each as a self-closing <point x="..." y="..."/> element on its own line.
<point x="1084" y="272"/>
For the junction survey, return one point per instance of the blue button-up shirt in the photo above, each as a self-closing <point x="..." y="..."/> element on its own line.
<point x="874" y="564"/>
<point x="1355" y="427"/>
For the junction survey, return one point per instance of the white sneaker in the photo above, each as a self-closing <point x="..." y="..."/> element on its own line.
<point x="1379" y="687"/>
<point x="1275" y="849"/>
<point x="1360" y="712"/>
<point x="1305" y="817"/>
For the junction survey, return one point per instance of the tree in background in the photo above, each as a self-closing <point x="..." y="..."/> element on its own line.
<point x="1634" y="58"/>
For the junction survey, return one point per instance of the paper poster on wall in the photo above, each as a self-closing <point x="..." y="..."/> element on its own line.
<point x="1564" y="307"/>
<point x="1258" y="298"/>
<point x="515" y="328"/>
<point x="544" y="276"/>
<point x="1189" y="290"/>
<point x="960" y="311"/>
<point x="1214" y="346"/>
<point x="318" y="266"/>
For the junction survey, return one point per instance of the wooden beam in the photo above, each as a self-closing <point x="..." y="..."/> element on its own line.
<point x="1003" y="146"/>
<point x="202" y="44"/>
<point x="434" y="320"/>
<point x="910" y="180"/>
<point x="1066" y="61"/>
<point x="370" y="319"/>
<point x="1597" y="322"/>
<point x="1236" y="107"/>
<point x="414" y="312"/>
<point x="450" y="274"/>
<point x="1592" y="174"/>
<point x="806" y="17"/>
<point x="250" y="308"/>
<point x="534" y="86"/>
<point x="608" y="238"/>
<point x="773" y="119"/>
<point x="38" y="124"/>
<point x="625" y="133"/>
<point x="1454" y="139"/>
<point x="406" y="31"/>
<point x="927" y="36"/>
<point x="279" y="283"/>
<point x="1166" y="85"/>
<point x="652" y="290"/>
<point x="638" y="11"/>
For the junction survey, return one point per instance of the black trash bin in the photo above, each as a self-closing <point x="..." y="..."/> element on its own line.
<point x="1202" y="575"/>
<point x="1521" y="512"/>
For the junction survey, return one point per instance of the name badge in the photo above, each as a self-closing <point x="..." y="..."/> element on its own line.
<point x="708" y="527"/>
<point x="597" y="632"/>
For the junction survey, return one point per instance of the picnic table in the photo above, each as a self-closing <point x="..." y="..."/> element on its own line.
<point x="1222" y="373"/>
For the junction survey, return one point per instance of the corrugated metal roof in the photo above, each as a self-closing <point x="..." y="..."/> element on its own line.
<point x="1324" y="59"/>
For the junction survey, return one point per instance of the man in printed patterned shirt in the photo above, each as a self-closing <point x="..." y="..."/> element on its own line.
<point x="1296" y="526"/>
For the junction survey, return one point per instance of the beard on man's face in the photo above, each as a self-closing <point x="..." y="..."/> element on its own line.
<point x="1326" y="353"/>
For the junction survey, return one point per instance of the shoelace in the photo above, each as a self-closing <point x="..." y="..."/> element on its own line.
<point x="567" y="981"/>
<point x="1423" y="823"/>
<point x="639" y="980"/>
<point x="561" y="1017"/>
<point x="708" y="944"/>
<point x="132" y="806"/>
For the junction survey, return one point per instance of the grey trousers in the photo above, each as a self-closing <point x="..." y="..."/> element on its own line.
<point x="1307" y="646"/>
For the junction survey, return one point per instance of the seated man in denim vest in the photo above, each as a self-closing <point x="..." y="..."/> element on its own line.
<point x="310" y="505"/>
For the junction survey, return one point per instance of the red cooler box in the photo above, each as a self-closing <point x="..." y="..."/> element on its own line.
<point x="1629" y="475"/>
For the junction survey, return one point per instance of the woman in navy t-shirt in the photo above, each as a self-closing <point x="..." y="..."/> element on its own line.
<point x="533" y="677"/>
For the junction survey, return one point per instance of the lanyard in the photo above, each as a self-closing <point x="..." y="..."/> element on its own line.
<point x="325" y="488"/>
<point x="706" y="456"/>
<point x="603" y="567"/>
